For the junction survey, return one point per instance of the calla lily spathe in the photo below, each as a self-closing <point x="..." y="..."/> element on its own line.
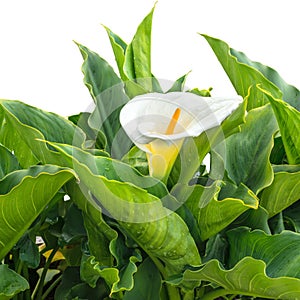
<point x="158" y="123"/>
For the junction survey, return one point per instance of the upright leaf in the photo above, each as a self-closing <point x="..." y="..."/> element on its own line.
<point x="23" y="196"/>
<point x="108" y="93"/>
<point x="288" y="119"/>
<point x="137" y="63"/>
<point x="290" y="94"/>
<point x="119" y="48"/>
<point x="178" y="85"/>
<point x="241" y="75"/>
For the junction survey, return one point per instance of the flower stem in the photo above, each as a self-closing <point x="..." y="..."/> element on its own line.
<point x="38" y="291"/>
<point x="51" y="287"/>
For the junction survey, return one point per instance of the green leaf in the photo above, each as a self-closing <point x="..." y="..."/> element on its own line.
<point x="147" y="283"/>
<point x="213" y="215"/>
<point x="242" y="75"/>
<point x="11" y="283"/>
<point x="23" y="125"/>
<point x="98" y="74"/>
<point x="247" y="277"/>
<point x="8" y="162"/>
<point x="288" y="119"/>
<point x="73" y="229"/>
<point x="23" y="196"/>
<point x="95" y="139"/>
<point x="137" y="158"/>
<point x="119" y="48"/>
<point x="100" y="234"/>
<point x="202" y="93"/>
<point x="178" y="85"/>
<point x="113" y="169"/>
<point x="247" y="153"/>
<point x="291" y="217"/>
<point x="91" y="271"/>
<point x="108" y="93"/>
<point x="278" y="155"/>
<point x="159" y="231"/>
<point x="255" y="219"/>
<point x="290" y="93"/>
<point x="137" y="63"/>
<point x="283" y="192"/>
<point x="194" y="150"/>
<point x="72" y="287"/>
<point x="280" y="252"/>
<point x="28" y="251"/>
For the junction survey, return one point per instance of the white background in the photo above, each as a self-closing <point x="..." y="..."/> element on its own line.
<point x="40" y="64"/>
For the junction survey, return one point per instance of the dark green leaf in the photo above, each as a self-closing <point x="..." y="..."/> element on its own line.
<point x="29" y="251"/>
<point x="11" y="283"/>
<point x="147" y="283"/>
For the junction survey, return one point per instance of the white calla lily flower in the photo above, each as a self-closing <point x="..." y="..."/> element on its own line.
<point x="158" y="123"/>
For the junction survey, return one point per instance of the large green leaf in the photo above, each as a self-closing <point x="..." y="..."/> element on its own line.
<point x="23" y="124"/>
<point x="212" y="214"/>
<point x="280" y="252"/>
<point x="137" y="65"/>
<point x="288" y="119"/>
<point x="290" y="93"/>
<point x="114" y="170"/>
<point x="23" y="196"/>
<point x="247" y="277"/>
<point x="8" y="161"/>
<point x="242" y="75"/>
<point x="107" y="90"/>
<point x="11" y="283"/>
<point x="283" y="192"/>
<point x="159" y="231"/>
<point x="247" y="152"/>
